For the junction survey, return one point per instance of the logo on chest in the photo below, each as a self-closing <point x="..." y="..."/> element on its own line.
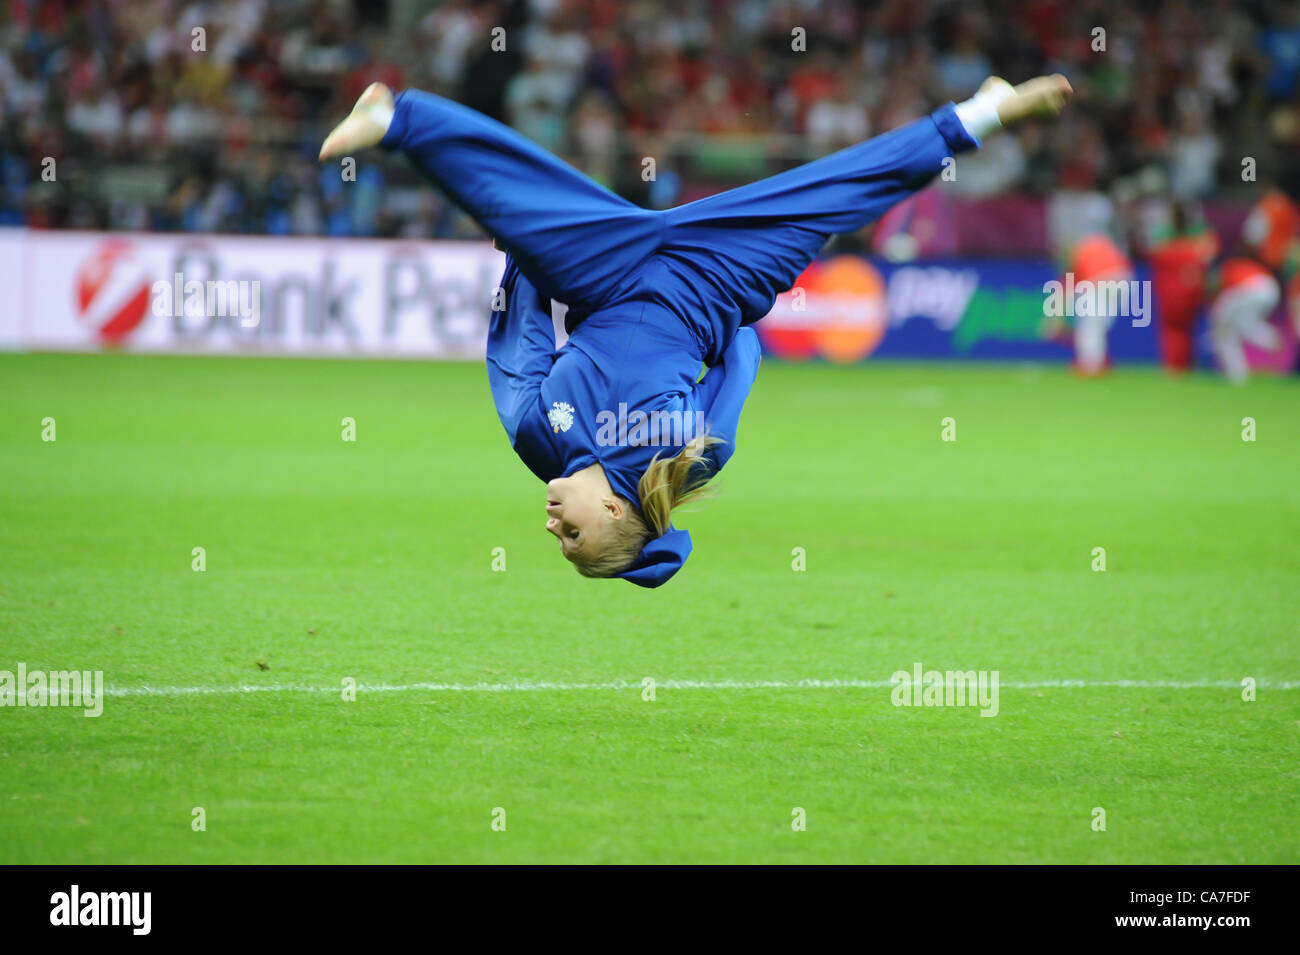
<point x="560" y="416"/>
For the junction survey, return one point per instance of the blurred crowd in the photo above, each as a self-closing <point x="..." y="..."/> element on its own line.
<point x="206" y="116"/>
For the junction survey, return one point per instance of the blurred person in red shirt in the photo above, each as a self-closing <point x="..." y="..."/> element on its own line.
<point x="1270" y="230"/>
<point x="1180" y="266"/>
<point x="1244" y="294"/>
<point x="1094" y="259"/>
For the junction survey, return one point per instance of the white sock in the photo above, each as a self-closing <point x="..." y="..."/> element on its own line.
<point x="979" y="114"/>
<point x="1090" y="342"/>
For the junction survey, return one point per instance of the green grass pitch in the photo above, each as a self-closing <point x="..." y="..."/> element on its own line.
<point x="372" y="561"/>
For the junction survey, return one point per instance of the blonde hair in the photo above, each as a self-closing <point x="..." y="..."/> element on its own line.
<point x="666" y="485"/>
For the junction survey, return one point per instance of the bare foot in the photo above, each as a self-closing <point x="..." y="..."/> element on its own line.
<point x="997" y="89"/>
<point x="1043" y="96"/>
<point x="365" y="125"/>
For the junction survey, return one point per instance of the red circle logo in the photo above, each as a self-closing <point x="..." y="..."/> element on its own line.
<point x="112" y="291"/>
<point x="836" y="310"/>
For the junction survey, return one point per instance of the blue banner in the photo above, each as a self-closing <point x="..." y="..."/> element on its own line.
<point x="848" y="308"/>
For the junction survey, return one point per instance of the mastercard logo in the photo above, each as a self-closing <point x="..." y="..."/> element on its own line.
<point x="111" y="289"/>
<point x="836" y="310"/>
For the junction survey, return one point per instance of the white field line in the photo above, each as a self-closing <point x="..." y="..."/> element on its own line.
<point x="525" y="686"/>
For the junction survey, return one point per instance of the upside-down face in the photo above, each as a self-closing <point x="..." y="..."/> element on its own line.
<point x="581" y="514"/>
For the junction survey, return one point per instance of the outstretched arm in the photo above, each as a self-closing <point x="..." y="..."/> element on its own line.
<point x="520" y="354"/>
<point x="721" y="394"/>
